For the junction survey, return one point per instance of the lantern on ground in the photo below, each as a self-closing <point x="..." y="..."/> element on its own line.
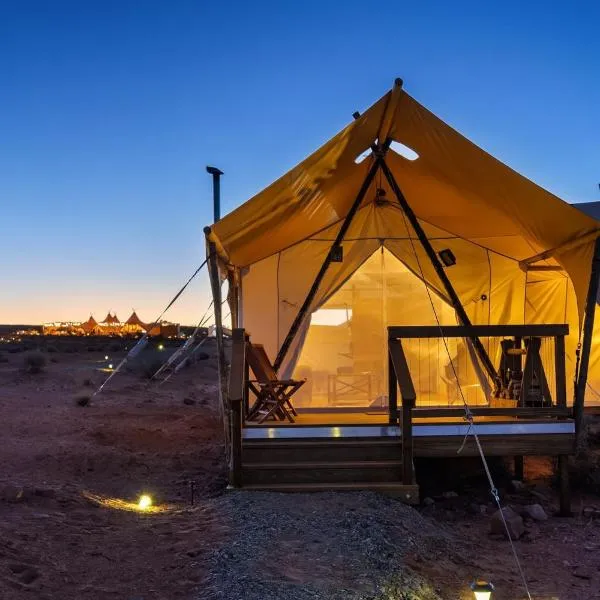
<point x="482" y="590"/>
<point x="145" y="502"/>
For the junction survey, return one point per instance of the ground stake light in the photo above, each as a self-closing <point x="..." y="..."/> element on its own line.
<point x="482" y="590"/>
<point x="144" y="502"/>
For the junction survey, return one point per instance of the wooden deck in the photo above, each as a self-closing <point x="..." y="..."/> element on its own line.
<point x="366" y="448"/>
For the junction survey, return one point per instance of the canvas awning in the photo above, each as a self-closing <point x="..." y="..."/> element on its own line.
<point x="455" y="188"/>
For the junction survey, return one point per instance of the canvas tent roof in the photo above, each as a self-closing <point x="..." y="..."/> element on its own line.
<point x="111" y="319"/>
<point x="135" y="320"/>
<point x="456" y="189"/>
<point x="497" y="223"/>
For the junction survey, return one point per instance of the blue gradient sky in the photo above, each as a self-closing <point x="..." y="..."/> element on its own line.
<point x="110" y="110"/>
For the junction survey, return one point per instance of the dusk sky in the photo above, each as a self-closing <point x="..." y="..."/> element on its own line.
<point x="110" y="111"/>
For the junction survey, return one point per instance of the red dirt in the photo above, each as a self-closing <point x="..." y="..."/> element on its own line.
<point x="56" y="544"/>
<point x="133" y="438"/>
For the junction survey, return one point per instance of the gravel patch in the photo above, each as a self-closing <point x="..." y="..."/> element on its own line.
<point x="329" y="545"/>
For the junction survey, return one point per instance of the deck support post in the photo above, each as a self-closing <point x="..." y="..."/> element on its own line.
<point x="237" y="385"/>
<point x="588" y="327"/>
<point x="453" y="296"/>
<point x="564" y="485"/>
<point x="289" y="338"/>
<point x="407" y="441"/>
<point x="235" y="471"/>
<point x="519" y="463"/>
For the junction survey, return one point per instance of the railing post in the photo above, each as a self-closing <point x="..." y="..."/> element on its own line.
<point x="407" y="441"/>
<point x="237" y="384"/>
<point x="559" y="368"/>
<point x="392" y="387"/>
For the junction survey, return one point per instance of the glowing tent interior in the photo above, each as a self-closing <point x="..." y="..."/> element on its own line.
<point x="398" y="220"/>
<point x="522" y="255"/>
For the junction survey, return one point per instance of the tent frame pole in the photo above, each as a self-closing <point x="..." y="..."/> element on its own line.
<point x="588" y="329"/>
<point x="431" y="254"/>
<point x="222" y="367"/>
<point x="289" y="338"/>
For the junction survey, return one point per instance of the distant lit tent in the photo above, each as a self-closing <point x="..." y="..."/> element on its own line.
<point x="90" y="326"/>
<point x="110" y="319"/>
<point x="134" y="324"/>
<point x="342" y="239"/>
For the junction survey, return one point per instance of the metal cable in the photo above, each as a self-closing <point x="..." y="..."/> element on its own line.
<point x="141" y="343"/>
<point x="468" y="416"/>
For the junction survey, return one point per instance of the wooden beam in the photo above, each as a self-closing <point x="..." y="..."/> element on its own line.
<point x="552" y="444"/>
<point x="468" y="331"/>
<point x="407" y="441"/>
<point x="392" y="388"/>
<point x="401" y="370"/>
<point x="439" y="269"/>
<point x="237" y="386"/>
<point x="488" y="411"/>
<point x="588" y="329"/>
<point x="559" y="367"/>
<point x="306" y="305"/>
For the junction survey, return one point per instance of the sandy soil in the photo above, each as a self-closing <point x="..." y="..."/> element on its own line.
<point x="54" y="543"/>
<point x="135" y="438"/>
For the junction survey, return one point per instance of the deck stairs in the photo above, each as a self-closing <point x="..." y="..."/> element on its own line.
<point x="320" y="464"/>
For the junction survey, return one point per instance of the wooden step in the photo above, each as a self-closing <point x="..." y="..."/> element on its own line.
<point x="322" y="472"/>
<point x="408" y="494"/>
<point x="297" y="451"/>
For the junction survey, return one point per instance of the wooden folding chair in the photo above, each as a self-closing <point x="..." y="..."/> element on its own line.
<point x="272" y="394"/>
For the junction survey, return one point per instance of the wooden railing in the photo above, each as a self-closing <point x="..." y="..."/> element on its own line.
<point x="556" y="331"/>
<point x="399" y="376"/>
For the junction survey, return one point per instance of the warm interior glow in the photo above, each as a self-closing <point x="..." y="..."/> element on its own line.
<point x="331" y="317"/>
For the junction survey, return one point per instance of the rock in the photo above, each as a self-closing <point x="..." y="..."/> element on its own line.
<point x="583" y="573"/>
<point x="514" y="523"/>
<point x="189" y="401"/>
<point x="517" y="485"/>
<point x="45" y="492"/>
<point x="448" y="495"/>
<point x="11" y="493"/>
<point x="535" y="512"/>
<point x="428" y="501"/>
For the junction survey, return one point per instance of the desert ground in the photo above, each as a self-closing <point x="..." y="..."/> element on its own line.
<point x="71" y="471"/>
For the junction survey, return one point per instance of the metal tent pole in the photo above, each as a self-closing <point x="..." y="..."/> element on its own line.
<point x="321" y="274"/>
<point x="431" y="254"/>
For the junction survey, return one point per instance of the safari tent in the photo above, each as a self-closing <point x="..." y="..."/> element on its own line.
<point x="522" y="255"/>
<point x="399" y="231"/>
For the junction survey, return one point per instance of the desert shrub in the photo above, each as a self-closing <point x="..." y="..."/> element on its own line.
<point x="34" y="362"/>
<point x="82" y="400"/>
<point x="146" y="367"/>
<point x="51" y="349"/>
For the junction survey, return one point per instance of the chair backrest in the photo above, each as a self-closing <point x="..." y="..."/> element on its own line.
<point x="259" y="363"/>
